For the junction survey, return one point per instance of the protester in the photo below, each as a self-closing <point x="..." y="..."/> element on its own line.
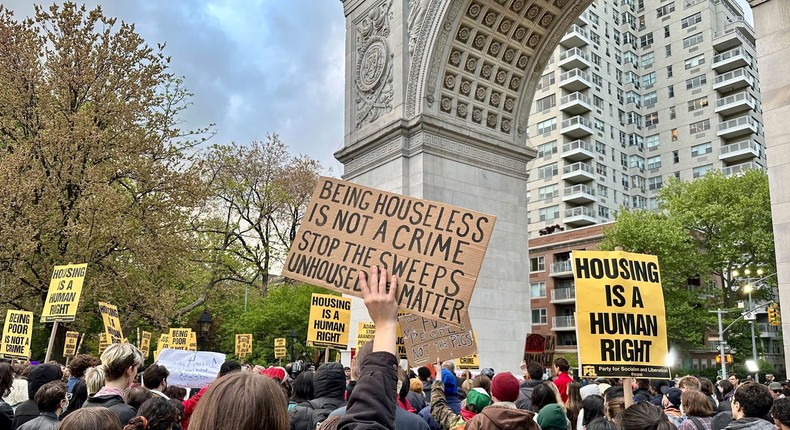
<point x="227" y="368"/>
<point x="38" y="377"/>
<point x="656" y="390"/>
<point x="157" y="413"/>
<point x="79" y="395"/>
<point x="415" y="397"/>
<point x="424" y="374"/>
<point x="136" y="396"/>
<point x="447" y="419"/>
<point x="780" y="412"/>
<point x="403" y="390"/>
<point x="119" y="362"/>
<point x="641" y="416"/>
<point x="727" y="391"/>
<point x="6" y="382"/>
<point x="671" y="404"/>
<point x="688" y="382"/>
<point x="180" y="416"/>
<point x="776" y="390"/>
<point x="177" y="393"/>
<point x="733" y="378"/>
<point x="450" y="393"/>
<point x="769" y="378"/>
<point x="91" y="419"/>
<point x="302" y="389"/>
<point x="562" y="378"/>
<point x="155" y="379"/>
<point x="614" y="409"/>
<point x="574" y="404"/>
<point x="94" y="380"/>
<point x="750" y="405"/>
<point x="706" y="387"/>
<point x="533" y="375"/>
<point x="642" y="392"/>
<point x="698" y="410"/>
<point x="51" y="401"/>
<point x="329" y="384"/>
<point x="551" y="414"/>
<point x="592" y="409"/>
<point x="77" y="369"/>
<point x="601" y="423"/>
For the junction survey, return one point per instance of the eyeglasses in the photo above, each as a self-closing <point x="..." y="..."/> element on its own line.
<point x="777" y="391"/>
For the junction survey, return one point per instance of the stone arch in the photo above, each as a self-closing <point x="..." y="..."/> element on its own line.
<point x="481" y="60"/>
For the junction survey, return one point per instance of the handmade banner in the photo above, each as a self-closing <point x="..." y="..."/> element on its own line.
<point x="329" y="321"/>
<point x="540" y="349"/>
<point x="63" y="296"/>
<point x="112" y="322"/>
<point x="17" y="333"/>
<point x="190" y="369"/>
<point x="469" y="362"/>
<point x="70" y="345"/>
<point x="426" y="340"/>
<point x="243" y="344"/>
<point x="620" y="315"/>
<point x="145" y="343"/>
<point x="179" y="338"/>
<point x="435" y="249"/>
<point x="279" y="347"/>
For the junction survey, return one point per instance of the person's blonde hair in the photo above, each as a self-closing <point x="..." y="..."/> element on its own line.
<point x="118" y="357"/>
<point x="242" y="401"/>
<point x="94" y="379"/>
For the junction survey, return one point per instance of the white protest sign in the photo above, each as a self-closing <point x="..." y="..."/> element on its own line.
<point x="190" y="369"/>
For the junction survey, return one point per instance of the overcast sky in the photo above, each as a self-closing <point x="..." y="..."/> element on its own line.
<point x="255" y="66"/>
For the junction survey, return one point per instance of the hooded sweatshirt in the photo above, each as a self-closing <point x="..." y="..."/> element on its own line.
<point x="503" y="416"/>
<point x="329" y="387"/>
<point x="38" y="376"/>
<point x="750" y="423"/>
<point x="552" y="417"/>
<point x="524" y="400"/>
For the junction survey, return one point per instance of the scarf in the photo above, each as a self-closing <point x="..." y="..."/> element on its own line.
<point x="404" y="404"/>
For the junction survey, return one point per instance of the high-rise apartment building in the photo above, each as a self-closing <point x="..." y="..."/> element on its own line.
<point x="640" y="91"/>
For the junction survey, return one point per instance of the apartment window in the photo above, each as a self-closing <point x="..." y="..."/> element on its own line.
<point x="594" y="18"/>
<point x="599" y="124"/>
<point x="675" y="157"/>
<point x="547" y="148"/>
<point x="545" y="103"/>
<point x="701" y="170"/>
<point x="646" y="39"/>
<point x="537" y="264"/>
<point x="669" y="71"/>
<point x="632" y="78"/>
<point x="701" y="149"/>
<point x="692" y="40"/>
<point x="650" y="99"/>
<point x="665" y="10"/>
<point x="539" y="317"/>
<point x="537" y="290"/>
<point x="690" y="3"/>
<point x="629" y="37"/>
<point x="672" y="114"/>
<point x="695" y="61"/>
<point x="652" y="141"/>
<point x="633" y="118"/>
<point x="637" y="162"/>
<point x="547" y="171"/>
<point x="691" y="20"/>
<point x="654" y="183"/>
<point x="549" y="213"/>
<point x="595" y="38"/>
<point x="624" y="160"/>
<point x="666" y="31"/>
<point x="642" y="22"/>
<point x="674" y="134"/>
<point x="699" y="103"/>
<point x="600" y="147"/>
<point x="603" y="212"/>
<point x="598" y="102"/>
<point x="640" y="202"/>
<point x="652" y="203"/>
<point x="654" y="162"/>
<point x="651" y="119"/>
<point x="547" y="125"/>
<point x="649" y="79"/>
<point x="596" y="59"/>
<point x="546" y="80"/>
<point x="548" y="192"/>
<point x="597" y="80"/>
<point x="699" y="127"/>
<point x="671" y="91"/>
<point x="696" y="81"/>
<point x="668" y="50"/>
<point x="600" y="169"/>
<point x="631" y="57"/>
<point x="648" y="60"/>
<point x="603" y="191"/>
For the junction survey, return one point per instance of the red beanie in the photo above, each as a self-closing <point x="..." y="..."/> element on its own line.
<point x="505" y="387"/>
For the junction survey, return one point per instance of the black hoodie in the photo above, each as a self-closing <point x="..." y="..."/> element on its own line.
<point x="329" y="387"/>
<point x="38" y="376"/>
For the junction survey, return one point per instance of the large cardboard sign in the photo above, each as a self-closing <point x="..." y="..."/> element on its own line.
<point x="179" y="338"/>
<point x="426" y="340"/>
<point x="621" y="320"/>
<point x="63" y="296"/>
<point x="540" y="349"/>
<point x="243" y="345"/>
<point x="435" y="249"/>
<point x="70" y="344"/>
<point x="17" y="332"/>
<point x="191" y="369"/>
<point x="112" y="322"/>
<point x="330" y="317"/>
<point x="279" y="347"/>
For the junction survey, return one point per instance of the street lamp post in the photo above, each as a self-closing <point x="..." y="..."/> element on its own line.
<point x="748" y="288"/>
<point x="293" y="336"/>
<point x="204" y="327"/>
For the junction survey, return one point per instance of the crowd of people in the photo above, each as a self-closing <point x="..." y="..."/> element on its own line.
<point x="116" y="392"/>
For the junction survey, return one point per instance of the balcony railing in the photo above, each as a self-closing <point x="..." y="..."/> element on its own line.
<point x="732" y="75"/>
<point x="576" y="29"/>
<point x="730" y="54"/>
<point x="574" y="73"/>
<point x="564" y="321"/>
<point x="577" y="120"/>
<point x="563" y="294"/>
<point x="743" y="95"/>
<point x="737" y="122"/>
<point x="579" y="211"/>
<point x="576" y="167"/>
<point x="574" y="97"/>
<point x="573" y="51"/>
<point x="581" y="188"/>
<point x="739" y="168"/>
<point x="739" y="146"/>
<point x="560" y="267"/>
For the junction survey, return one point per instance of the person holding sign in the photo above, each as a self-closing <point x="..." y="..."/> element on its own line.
<point x="120" y="362"/>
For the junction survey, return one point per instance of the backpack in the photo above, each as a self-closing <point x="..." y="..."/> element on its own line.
<point x="319" y="411"/>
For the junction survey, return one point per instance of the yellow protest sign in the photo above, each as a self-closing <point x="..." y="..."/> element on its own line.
<point x="243" y="344"/>
<point x="469" y="362"/>
<point x="435" y="249"/>
<point x="620" y="315"/>
<point x="192" y="344"/>
<point x="365" y="333"/>
<point x="70" y="345"/>
<point x="329" y="321"/>
<point x="63" y="297"/>
<point x="279" y="347"/>
<point x="145" y="343"/>
<point x="17" y="332"/>
<point x="104" y="342"/>
<point x="112" y="322"/>
<point x="179" y="338"/>
<point x="164" y="341"/>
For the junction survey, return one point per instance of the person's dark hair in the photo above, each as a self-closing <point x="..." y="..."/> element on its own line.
<point x="424" y="373"/>
<point x="6" y="378"/>
<point x="535" y="370"/>
<point x="79" y="394"/>
<point x="482" y="381"/>
<point x="159" y="414"/>
<point x="601" y="423"/>
<point x="696" y="403"/>
<point x="562" y="364"/>
<point x="733" y="374"/>
<point x="154" y="375"/>
<point x="706" y="386"/>
<point x="50" y="395"/>
<point x="645" y="416"/>
<point x="726" y="386"/>
<point x="136" y="396"/>
<point x="593" y="408"/>
<point x="574" y="403"/>
<point x="657" y="384"/>
<point x="179" y="407"/>
<point x="615" y="408"/>
<point x="229" y="366"/>
<point x="259" y="397"/>
<point x="303" y="387"/>
<point x="780" y="410"/>
<point x="614" y="392"/>
<point x="643" y="384"/>
<point x="542" y="395"/>
<point x="755" y="399"/>
<point x="403" y="378"/>
<point x="175" y="392"/>
<point x="81" y="363"/>
<point x="91" y="419"/>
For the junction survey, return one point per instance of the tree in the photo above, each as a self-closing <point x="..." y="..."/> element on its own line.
<point x="704" y="230"/>
<point x="93" y="167"/>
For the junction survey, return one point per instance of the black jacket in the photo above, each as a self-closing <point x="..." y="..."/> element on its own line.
<point x="524" y="400"/>
<point x="6" y="416"/>
<point x="372" y="404"/>
<point x="113" y="403"/>
<point x="329" y="387"/>
<point x="38" y="376"/>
